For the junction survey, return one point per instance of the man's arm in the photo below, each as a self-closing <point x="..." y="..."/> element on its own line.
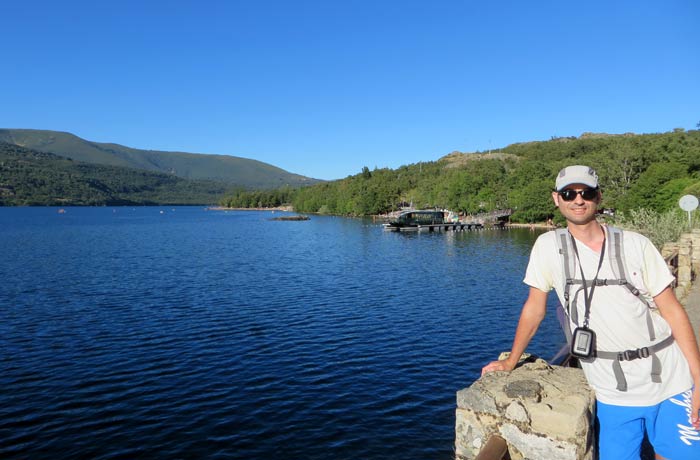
<point x="676" y="317"/>
<point x="531" y="316"/>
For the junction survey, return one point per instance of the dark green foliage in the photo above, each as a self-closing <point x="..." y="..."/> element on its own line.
<point x="692" y="189"/>
<point x="650" y="171"/>
<point x="29" y="177"/>
<point x="240" y="172"/>
<point x="258" y="199"/>
<point x="658" y="188"/>
<point x="636" y="171"/>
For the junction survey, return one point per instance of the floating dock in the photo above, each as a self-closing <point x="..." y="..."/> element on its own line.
<point x="446" y="227"/>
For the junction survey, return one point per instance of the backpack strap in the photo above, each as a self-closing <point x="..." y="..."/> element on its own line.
<point x="569" y="270"/>
<point x="630" y="355"/>
<point x="616" y="258"/>
<point x="617" y="261"/>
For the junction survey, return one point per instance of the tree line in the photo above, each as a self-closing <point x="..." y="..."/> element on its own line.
<point x="636" y="171"/>
<point x="32" y="178"/>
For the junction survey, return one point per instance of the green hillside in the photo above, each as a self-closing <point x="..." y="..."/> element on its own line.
<point x="636" y="171"/>
<point x="241" y="172"/>
<point x="30" y="177"/>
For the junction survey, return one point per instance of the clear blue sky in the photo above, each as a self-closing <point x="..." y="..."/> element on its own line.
<point x="323" y="87"/>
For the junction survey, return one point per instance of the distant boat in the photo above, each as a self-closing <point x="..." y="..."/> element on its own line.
<point x="411" y="220"/>
<point x="61" y="211"/>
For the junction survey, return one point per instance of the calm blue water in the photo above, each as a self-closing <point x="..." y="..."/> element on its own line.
<point x="182" y="333"/>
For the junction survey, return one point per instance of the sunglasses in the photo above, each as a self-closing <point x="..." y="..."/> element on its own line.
<point x="588" y="194"/>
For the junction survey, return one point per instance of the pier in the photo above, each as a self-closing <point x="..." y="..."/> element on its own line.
<point x="446" y="227"/>
<point x="436" y="220"/>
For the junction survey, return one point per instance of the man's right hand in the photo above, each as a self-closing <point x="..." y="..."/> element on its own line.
<point x="501" y="365"/>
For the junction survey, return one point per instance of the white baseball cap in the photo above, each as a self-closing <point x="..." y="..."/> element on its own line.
<point x="576" y="175"/>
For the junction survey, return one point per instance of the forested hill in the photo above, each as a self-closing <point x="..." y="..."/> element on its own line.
<point x="636" y="171"/>
<point x="30" y="177"/>
<point x="242" y="172"/>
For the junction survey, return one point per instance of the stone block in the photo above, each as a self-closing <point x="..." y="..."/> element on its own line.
<point x="469" y="434"/>
<point x="684" y="274"/>
<point x="532" y="446"/>
<point x="668" y="249"/>
<point x="542" y="411"/>
<point x="517" y="412"/>
<point x="478" y="399"/>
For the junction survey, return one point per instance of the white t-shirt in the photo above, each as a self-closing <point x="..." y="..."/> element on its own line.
<point x="618" y="317"/>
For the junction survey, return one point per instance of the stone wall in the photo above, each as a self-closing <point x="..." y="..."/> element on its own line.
<point x="688" y="248"/>
<point x="542" y="411"/>
<point x="695" y="250"/>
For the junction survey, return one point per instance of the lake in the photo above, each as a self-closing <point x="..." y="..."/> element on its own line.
<point x="182" y="333"/>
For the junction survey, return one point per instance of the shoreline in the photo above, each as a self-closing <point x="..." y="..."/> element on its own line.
<point x="375" y="217"/>
<point x="276" y="208"/>
<point x="535" y="225"/>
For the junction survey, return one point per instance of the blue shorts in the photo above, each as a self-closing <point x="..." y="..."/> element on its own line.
<point x="667" y="426"/>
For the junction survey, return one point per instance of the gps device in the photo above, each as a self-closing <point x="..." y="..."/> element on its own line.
<point x="583" y="342"/>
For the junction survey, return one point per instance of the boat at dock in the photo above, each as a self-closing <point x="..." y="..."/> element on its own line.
<point x="427" y="221"/>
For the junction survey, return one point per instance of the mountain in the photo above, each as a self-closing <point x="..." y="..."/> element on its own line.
<point x="30" y="177"/>
<point x="241" y="172"/>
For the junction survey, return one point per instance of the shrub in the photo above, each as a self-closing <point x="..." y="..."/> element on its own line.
<point x="660" y="228"/>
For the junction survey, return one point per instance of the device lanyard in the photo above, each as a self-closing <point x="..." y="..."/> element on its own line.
<point x="587" y="298"/>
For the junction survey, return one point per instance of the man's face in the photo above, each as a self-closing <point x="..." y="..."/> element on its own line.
<point x="578" y="210"/>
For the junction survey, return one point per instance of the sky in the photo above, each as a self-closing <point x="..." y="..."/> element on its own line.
<point x="323" y="88"/>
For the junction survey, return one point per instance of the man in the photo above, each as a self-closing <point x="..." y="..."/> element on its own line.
<point x="635" y="342"/>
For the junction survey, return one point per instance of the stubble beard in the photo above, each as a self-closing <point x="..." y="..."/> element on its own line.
<point x="583" y="218"/>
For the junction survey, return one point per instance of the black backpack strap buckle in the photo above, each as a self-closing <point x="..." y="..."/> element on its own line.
<point x="630" y="355"/>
